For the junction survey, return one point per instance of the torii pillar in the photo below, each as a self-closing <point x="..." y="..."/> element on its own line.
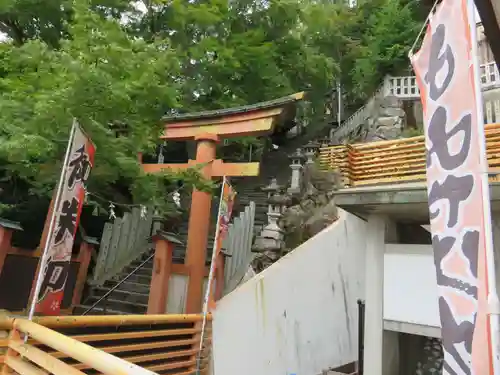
<point x="207" y="128"/>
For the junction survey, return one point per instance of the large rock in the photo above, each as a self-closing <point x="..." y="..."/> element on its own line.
<point x="390" y="112"/>
<point x="322" y="218"/>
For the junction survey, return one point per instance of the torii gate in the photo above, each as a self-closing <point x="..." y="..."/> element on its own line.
<point x="207" y="128"/>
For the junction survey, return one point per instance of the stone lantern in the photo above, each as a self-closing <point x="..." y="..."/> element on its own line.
<point x="271" y="189"/>
<point x="311" y="148"/>
<point x="297" y="160"/>
<point x="270" y="242"/>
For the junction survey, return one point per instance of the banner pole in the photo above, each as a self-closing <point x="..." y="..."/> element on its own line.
<point x="48" y="239"/>
<point x="210" y="275"/>
<point x="493" y="302"/>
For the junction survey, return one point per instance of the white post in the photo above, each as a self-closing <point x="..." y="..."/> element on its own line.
<point x="374" y="295"/>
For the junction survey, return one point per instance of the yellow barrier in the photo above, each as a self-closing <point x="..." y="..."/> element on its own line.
<point x="385" y="162"/>
<point x="108" y="344"/>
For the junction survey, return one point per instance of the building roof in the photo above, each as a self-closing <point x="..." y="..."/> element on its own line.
<point x="275" y="103"/>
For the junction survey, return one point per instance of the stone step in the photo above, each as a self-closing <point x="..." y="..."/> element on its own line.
<point x="110" y="303"/>
<point x="145" y="270"/>
<point x="129" y="286"/>
<point x="123" y="295"/>
<point x="140" y="279"/>
<point x="98" y="310"/>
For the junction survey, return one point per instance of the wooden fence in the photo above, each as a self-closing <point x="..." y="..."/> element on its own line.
<point x="387" y="162"/>
<point x="133" y="344"/>
<point x="123" y="241"/>
<point x="238" y="244"/>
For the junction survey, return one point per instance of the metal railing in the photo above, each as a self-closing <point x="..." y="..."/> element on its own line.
<point x="108" y="293"/>
<point x="489" y="74"/>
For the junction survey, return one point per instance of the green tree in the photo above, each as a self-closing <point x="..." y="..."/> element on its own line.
<point x="117" y="86"/>
<point x="387" y="30"/>
<point x="118" y="67"/>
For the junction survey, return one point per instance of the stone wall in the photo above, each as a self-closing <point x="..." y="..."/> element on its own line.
<point x="386" y="120"/>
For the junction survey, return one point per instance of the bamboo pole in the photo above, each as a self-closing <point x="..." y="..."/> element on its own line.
<point x="115" y="320"/>
<point x="95" y="358"/>
<point x="43" y="359"/>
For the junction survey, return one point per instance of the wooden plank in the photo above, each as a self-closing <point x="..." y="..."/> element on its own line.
<point x="395" y="174"/>
<point x="133" y="335"/>
<point x="390" y="180"/>
<point x="395" y="142"/>
<point x="148" y="357"/>
<point x="116" y="320"/>
<point x="389" y="159"/>
<point x="135" y="347"/>
<point x="44" y="360"/>
<point x="171" y="366"/>
<point x="189" y="372"/>
<point x="98" y="359"/>
<point x="23" y="367"/>
<point x="390" y="152"/>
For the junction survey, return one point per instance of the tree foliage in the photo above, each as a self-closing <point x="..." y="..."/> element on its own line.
<point x="117" y="86"/>
<point x="119" y="65"/>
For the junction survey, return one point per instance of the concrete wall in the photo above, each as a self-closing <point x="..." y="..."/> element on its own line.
<point x="410" y="286"/>
<point x="299" y="316"/>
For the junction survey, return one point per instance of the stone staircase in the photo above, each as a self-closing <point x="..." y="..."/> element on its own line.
<point x="131" y="296"/>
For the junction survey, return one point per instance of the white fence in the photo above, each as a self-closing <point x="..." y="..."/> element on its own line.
<point x="238" y="245"/>
<point x="489" y="75"/>
<point x="300" y="315"/>
<point x="406" y="88"/>
<point x="123" y="241"/>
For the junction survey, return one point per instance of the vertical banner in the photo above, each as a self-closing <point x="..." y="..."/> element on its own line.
<point x="56" y="259"/>
<point x="458" y="192"/>
<point x="226" y="204"/>
<point x="224" y="216"/>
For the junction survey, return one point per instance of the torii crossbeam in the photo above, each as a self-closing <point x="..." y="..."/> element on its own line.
<point x="207" y="128"/>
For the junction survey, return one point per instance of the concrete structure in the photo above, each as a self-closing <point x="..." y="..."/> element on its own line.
<point x="401" y="287"/>
<point x="300" y="315"/>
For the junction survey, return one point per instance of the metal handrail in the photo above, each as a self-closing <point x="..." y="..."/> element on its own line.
<point x="118" y="284"/>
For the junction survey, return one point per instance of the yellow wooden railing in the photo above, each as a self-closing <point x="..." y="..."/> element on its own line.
<point x="131" y="344"/>
<point x="387" y="162"/>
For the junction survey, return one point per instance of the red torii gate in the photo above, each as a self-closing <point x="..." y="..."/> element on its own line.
<point x="207" y="128"/>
